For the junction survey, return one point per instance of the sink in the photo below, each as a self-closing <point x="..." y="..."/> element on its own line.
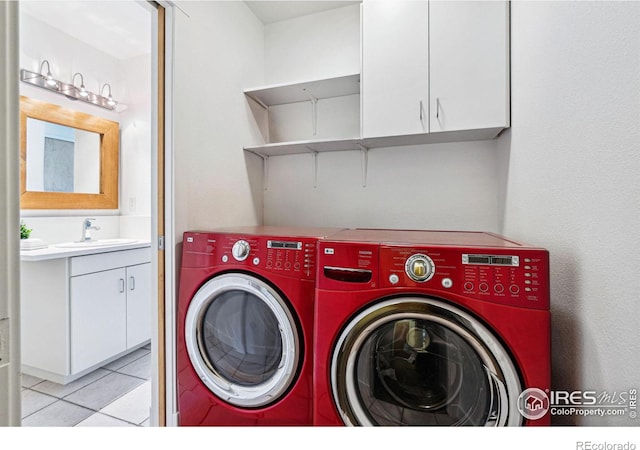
<point x="96" y="243"/>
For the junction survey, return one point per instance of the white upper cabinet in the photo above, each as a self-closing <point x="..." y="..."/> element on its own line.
<point x="395" y="68"/>
<point x="435" y="66"/>
<point x="469" y="65"/>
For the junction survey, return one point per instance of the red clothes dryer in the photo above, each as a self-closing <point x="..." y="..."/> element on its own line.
<point x="245" y="326"/>
<point x="431" y="328"/>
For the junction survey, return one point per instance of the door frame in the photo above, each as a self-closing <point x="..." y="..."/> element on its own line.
<point x="164" y="398"/>
<point x="10" y="399"/>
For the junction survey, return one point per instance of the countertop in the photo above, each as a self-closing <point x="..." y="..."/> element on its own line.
<point x="54" y="252"/>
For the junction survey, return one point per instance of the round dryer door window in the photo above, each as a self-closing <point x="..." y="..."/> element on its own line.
<point x="417" y="361"/>
<point x="242" y="340"/>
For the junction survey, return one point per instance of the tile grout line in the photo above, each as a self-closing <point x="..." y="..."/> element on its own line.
<point x="45" y="406"/>
<point x="94" y="411"/>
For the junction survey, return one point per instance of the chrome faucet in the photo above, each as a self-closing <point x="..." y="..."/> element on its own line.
<point x="86" y="226"/>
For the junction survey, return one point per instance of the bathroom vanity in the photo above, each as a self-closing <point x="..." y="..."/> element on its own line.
<point x="83" y="305"/>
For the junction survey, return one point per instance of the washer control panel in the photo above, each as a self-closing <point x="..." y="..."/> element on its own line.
<point x="513" y="277"/>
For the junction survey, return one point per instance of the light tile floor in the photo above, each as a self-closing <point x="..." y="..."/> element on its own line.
<point x="116" y="395"/>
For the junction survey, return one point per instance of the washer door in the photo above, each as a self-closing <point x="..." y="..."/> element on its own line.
<point x="419" y="361"/>
<point x="242" y="340"/>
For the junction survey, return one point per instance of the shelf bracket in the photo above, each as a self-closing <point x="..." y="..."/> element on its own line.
<point x="364" y="153"/>
<point x="265" y="172"/>
<point x="265" y="167"/>
<point x="314" y="155"/>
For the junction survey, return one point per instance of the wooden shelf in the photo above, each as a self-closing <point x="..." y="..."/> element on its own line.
<point x="280" y="94"/>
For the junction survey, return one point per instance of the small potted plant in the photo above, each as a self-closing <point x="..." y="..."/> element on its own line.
<point x="26" y="242"/>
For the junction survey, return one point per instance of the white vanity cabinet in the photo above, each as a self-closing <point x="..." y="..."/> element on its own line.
<point x="434" y="66"/>
<point x="80" y="312"/>
<point x="98" y="318"/>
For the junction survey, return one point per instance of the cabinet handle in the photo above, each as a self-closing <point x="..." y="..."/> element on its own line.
<point x="420" y="110"/>
<point x="121" y="285"/>
<point x="132" y="283"/>
<point x="437" y="107"/>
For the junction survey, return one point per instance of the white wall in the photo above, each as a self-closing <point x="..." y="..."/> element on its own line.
<point x="129" y="80"/>
<point x="316" y="46"/>
<point x="444" y="186"/>
<point x="135" y="150"/>
<point x="218" y="52"/>
<point x="570" y="182"/>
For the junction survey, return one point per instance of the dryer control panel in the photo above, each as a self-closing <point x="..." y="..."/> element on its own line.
<point x="289" y="256"/>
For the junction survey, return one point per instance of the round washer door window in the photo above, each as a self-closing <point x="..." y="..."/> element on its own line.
<point x="418" y="361"/>
<point x="242" y="340"/>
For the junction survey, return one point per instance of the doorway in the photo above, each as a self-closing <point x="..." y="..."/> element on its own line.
<point x="117" y="45"/>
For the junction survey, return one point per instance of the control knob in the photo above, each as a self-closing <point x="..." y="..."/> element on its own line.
<point x="419" y="268"/>
<point x="240" y="250"/>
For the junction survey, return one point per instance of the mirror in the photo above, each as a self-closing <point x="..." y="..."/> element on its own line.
<point x="62" y="159"/>
<point x="68" y="159"/>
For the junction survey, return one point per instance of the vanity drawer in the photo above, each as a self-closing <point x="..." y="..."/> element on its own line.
<point x="81" y="265"/>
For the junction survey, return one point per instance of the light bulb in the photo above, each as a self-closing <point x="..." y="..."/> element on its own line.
<point x="49" y="77"/>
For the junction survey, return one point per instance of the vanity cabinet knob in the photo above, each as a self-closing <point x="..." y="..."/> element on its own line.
<point x="121" y="285"/>
<point x="132" y="283"/>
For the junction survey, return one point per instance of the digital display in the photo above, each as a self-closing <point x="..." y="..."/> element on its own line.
<point x="502" y="260"/>
<point x="491" y="260"/>
<point x="285" y="244"/>
<point x="477" y="259"/>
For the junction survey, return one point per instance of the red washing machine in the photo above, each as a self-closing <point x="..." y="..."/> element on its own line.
<point x="245" y="326"/>
<point x="431" y="328"/>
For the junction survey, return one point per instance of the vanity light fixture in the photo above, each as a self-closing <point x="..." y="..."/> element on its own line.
<point x="71" y="91"/>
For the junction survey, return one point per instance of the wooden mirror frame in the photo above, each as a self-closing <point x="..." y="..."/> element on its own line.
<point x="109" y="132"/>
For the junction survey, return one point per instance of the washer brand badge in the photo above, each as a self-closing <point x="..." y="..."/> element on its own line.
<point x="329" y="251"/>
<point x="533" y="403"/>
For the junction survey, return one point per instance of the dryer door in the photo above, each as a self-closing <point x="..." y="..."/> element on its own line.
<point x="242" y="340"/>
<point x="419" y="361"/>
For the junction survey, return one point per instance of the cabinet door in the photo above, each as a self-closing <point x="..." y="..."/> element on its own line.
<point x="469" y="65"/>
<point x="138" y="304"/>
<point x="98" y="317"/>
<point x="395" y="68"/>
